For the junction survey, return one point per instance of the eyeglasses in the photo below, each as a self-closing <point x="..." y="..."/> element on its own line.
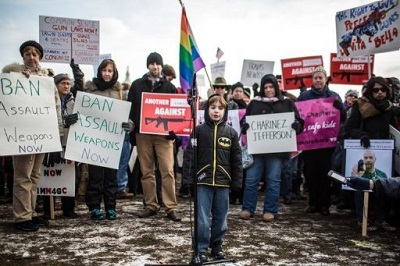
<point x="354" y="96"/>
<point x="376" y="90"/>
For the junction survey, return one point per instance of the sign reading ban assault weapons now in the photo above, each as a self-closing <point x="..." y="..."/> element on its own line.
<point x="97" y="137"/>
<point x="28" y="116"/>
<point x="271" y="133"/>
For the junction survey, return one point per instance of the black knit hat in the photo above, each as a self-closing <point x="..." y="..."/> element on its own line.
<point x="237" y="85"/>
<point x="31" y="43"/>
<point x="154" y="57"/>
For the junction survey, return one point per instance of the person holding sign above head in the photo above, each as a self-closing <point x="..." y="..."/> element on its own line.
<point x="149" y="145"/>
<point x="27" y="167"/>
<point x="317" y="162"/>
<point x="102" y="180"/>
<point x="267" y="166"/>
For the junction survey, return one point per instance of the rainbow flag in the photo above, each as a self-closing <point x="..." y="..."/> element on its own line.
<point x="189" y="58"/>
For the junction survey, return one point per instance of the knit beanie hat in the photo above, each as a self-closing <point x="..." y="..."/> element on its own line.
<point x="31" y="43"/>
<point x="246" y="91"/>
<point x="351" y="92"/>
<point x="154" y="57"/>
<point x="237" y="85"/>
<point x="319" y="69"/>
<point x="60" y="77"/>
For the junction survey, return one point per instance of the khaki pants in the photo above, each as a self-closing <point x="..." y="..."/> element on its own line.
<point x="26" y="179"/>
<point x="164" y="150"/>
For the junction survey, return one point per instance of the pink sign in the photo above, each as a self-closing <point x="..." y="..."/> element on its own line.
<point x="321" y="124"/>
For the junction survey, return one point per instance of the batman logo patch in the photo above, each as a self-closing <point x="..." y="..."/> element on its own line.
<point x="224" y="142"/>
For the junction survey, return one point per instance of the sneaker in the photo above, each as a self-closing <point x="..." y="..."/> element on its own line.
<point x="203" y="257"/>
<point x="216" y="252"/>
<point x="111" y="214"/>
<point x="96" y="215"/>
<point x="27" y="226"/>
<point x="147" y="213"/>
<point x="40" y="221"/>
<point x="385" y="226"/>
<point x="244" y="215"/>
<point x="268" y="217"/>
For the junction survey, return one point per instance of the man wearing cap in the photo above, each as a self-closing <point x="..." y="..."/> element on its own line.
<point x="317" y="162"/>
<point x="221" y="87"/>
<point x="150" y="146"/>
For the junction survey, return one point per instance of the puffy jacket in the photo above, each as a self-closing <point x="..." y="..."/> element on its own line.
<point x="219" y="158"/>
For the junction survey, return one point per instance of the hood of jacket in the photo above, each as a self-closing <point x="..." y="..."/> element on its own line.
<point x="207" y="118"/>
<point x="270" y="78"/>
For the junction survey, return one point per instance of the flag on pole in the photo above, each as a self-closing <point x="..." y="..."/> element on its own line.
<point x="219" y="53"/>
<point x="190" y="61"/>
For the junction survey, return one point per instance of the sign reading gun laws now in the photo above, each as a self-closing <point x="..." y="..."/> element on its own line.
<point x="271" y="133"/>
<point x="164" y="112"/>
<point x="58" y="180"/>
<point x="28" y="115"/>
<point x="97" y="137"/>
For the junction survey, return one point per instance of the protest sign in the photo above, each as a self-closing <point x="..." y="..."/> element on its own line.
<point x="254" y="70"/>
<point x="164" y="112"/>
<point x="350" y="70"/>
<point x="395" y="134"/>
<point x="65" y="38"/>
<point x="368" y="29"/>
<point x="97" y="138"/>
<point x="58" y="180"/>
<point x="271" y="133"/>
<point x="217" y="70"/>
<point x="297" y="72"/>
<point x="233" y="118"/>
<point x="28" y="115"/>
<point x="321" y="124"/>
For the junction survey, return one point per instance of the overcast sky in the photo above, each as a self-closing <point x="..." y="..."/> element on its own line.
<point x="130" y="29"/>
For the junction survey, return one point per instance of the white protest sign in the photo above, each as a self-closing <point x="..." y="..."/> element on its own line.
<point x="254" y="70"/>
<point x="97" y="138"/>
<point x="232" y="119"/>
<point x="217" y="70"/>
<point x="271" y="133"/>
<point x="395" y="134"/>
<point x="28" y="115"/>
<point x="58" y="180"/>
<point x="65" y="38"/>
<point x="101" y="58"/>
<point x="369" y="29"/>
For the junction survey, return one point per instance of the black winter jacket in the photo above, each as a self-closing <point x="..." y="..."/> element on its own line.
<point x="141" y="85"/>
<point x="219" y="157"/>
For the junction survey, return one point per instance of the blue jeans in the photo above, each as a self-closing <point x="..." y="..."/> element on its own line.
<point x="122" y="174"/>
<point x="289" y="168"/>
<point x="212" y="213"/>
<point x="271" y="166"/>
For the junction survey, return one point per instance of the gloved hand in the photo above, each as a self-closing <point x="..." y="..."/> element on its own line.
<point x="337" y="104"/>
<point x="128" y="126"/>
<point x="171" y="135"/>
<point x="52" y="158"/>
<point x="295" y="125"/>
<point x="244" y="129"/>
<point x="365" y="141"/>
<point x="76" y="71"/>
<point x="255" y="88"/>
<point x="70" y="119"/>
<point x="358" y="183"/>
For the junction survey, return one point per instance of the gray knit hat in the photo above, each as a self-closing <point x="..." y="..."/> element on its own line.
<point x="60" y="77"/>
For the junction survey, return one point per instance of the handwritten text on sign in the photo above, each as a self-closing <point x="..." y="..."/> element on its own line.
<point x="58" y="180"/>
<point x="98" y="135"/>
<point x="28" y="115"/>
<point x="271" y="133"/>
<point x="66" y="38"/>
<point x="321" y="124"/>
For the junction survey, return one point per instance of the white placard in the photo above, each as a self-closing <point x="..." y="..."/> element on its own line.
<point x="97" y="138"/>
<point x="232" y="119"/>
<point x="28" y="115"/>
<point x="271" y="133"/>
<point x="58" y="180"/>
<point x="254" y="70"/>
<point x="217" y="70"/>
<point x="395" y="134"/>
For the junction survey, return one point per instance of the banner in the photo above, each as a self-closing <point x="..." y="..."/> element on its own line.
<point x="28" y="115"/>
<point x="58" y="180"/>
<point x="97" y="138"/>
<point x="271" y="133"/>
<point x="164" y="112"/>
<point x="66" y="38"/>
<point x="369" y="29"/>
<point x="321" y="124"/>
<point x="350" y="70"/>
<point x="254" y="70"/>
<point x="297" y="72"/>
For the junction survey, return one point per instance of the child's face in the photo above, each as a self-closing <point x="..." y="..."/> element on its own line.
<point x="216" y="111"/>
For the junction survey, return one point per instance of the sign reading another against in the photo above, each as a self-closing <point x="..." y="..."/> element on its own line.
<point x="271" y="133"/>
<point x="28" y="115"/>
<point x="297" y="72"/>
<point x="97" y="137"/>
<point x="350" y="70"/>
<point x="65" y="38"/>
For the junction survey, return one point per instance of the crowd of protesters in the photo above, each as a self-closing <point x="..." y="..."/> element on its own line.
<point x="277" y="174"/>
